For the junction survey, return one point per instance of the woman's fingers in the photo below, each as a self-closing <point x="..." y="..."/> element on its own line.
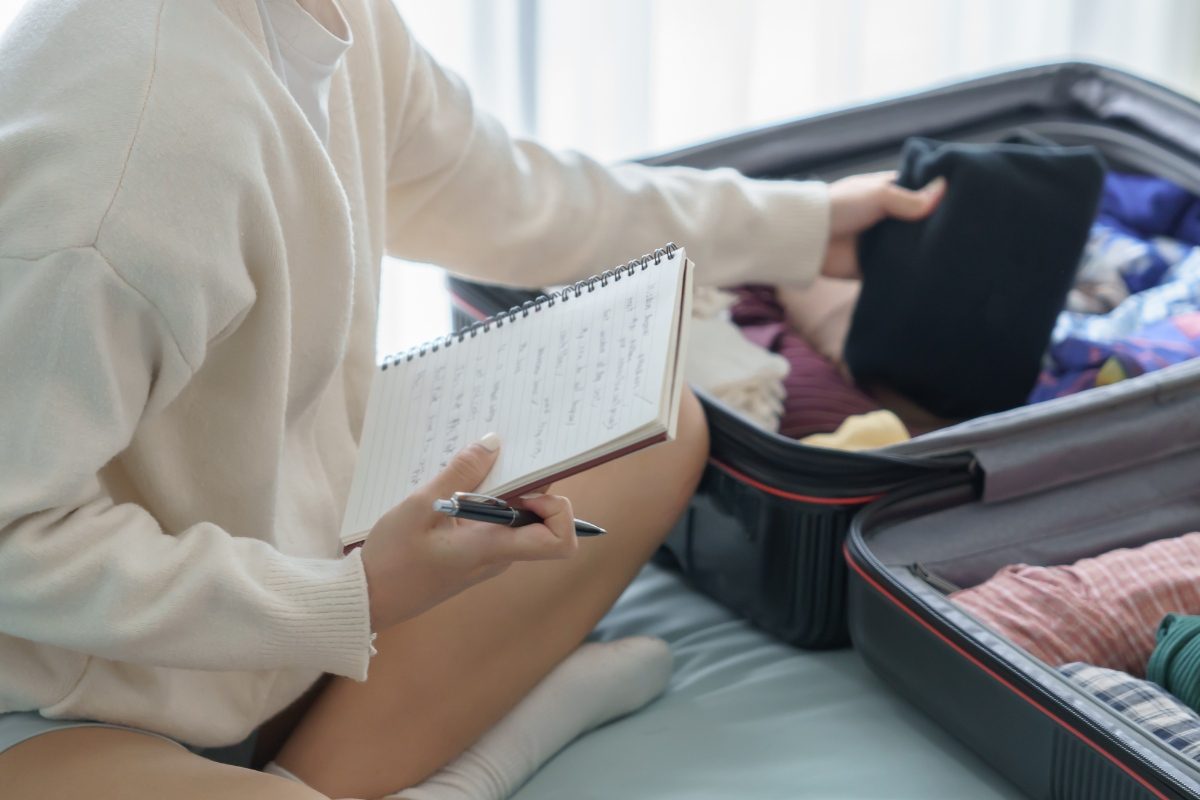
<point x="415" y="557"/>
<point x="464" y="473"/>
<point x="909" y="204"/>
<point x="555" y="511"/>
<point x="860" y="201"/>
<point x="553" y="538"/>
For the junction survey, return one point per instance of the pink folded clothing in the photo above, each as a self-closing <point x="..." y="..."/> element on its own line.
<point x="819" y="398"/>
<point x="1102" y="611"/>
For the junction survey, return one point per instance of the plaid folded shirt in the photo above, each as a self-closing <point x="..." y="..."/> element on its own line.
<point x="1103" y="610"/>
<point x="1142" y="702"/>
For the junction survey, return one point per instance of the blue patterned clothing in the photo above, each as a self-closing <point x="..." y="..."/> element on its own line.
<point x="1177" y="292"/>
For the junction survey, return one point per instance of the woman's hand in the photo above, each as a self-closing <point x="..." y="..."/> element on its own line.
<point x="858" y="202"/>
<point x="416" y="557"/>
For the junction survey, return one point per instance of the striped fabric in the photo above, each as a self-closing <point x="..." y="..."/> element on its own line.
<point x="1141" y="702"/>
<point x="1103" y="611"/>
<point x="819" y="398"/>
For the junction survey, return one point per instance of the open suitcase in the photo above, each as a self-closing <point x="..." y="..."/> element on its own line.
<point x="1116" y="467"/>
<point x="765" y="531"/>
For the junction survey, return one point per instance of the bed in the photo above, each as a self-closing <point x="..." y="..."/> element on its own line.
<point x="746" y="717"/>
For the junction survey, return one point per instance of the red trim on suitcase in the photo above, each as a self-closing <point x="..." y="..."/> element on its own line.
<point x="803" y="498"/>
<point x="470" y="309"/>
<point x="1004" y="681"/>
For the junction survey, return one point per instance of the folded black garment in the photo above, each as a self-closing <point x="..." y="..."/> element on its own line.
<point x="956" y="310"/>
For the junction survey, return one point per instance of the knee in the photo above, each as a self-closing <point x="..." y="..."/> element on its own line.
<point x="676" y="477"/>
<point x="691" y="440"/>
<point x="262" y="786"/>
<point x="678" y="465"/>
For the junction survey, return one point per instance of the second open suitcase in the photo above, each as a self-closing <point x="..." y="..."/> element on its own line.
<point x="1119" y="468"/>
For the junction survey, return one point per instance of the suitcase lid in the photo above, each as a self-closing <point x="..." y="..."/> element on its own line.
<point x="894" y="572"/>
<point x="1034" y="448"/>
<point x="1070" y="102"/>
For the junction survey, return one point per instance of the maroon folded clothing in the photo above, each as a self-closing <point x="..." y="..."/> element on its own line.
<point x="819" y="398"/>
<point x="756" y="304"/>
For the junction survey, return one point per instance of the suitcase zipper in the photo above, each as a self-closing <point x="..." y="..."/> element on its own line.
<point x="936" y="581"/>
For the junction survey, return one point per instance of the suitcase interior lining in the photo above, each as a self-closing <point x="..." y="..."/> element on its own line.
<point x="966" y="542"/>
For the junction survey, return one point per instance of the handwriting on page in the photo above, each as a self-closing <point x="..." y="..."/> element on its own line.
<point x="554" y="384"/>
<point x="495" y="380"/>
<point x="600" y="360"/>
<point x="579" y="377"/>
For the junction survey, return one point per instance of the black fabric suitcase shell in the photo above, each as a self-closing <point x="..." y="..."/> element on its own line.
<point x="764" y="533"/>
<point x="1078" y="479"/>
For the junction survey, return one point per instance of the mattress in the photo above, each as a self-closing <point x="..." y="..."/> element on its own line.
<point x="746" y="717"/>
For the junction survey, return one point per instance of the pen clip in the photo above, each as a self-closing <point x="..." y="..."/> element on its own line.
<point x="480" y="499"/>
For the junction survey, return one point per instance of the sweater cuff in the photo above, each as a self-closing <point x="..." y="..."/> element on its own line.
<point x="322" y="617"/>
<point x="797" y="236"/>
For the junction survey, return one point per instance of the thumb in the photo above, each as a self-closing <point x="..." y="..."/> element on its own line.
<point x="467" y="469"/>
<point x="907" y="204"/>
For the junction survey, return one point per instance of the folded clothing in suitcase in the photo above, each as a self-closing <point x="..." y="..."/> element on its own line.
<point x="764" y="533"/>
<point x="964" y="599"/>
<point x="956" y="309"/>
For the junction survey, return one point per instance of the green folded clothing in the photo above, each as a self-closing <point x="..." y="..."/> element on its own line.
<point x="1175" y="662"/>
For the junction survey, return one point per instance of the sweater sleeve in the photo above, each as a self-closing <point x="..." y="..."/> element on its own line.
<point x="85" y="359"/>
<point x="463" y="194"/>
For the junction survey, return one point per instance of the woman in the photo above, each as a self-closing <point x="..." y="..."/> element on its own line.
<point x="197" y="196"/>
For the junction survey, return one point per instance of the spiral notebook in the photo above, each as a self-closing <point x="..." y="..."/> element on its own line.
<point x="573" y="379"/>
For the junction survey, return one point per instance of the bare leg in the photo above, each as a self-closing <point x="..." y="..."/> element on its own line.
<point x="442" y="679"/>
<point x="108" y="764"/>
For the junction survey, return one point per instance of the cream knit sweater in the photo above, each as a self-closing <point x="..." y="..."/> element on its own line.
<point x="188" y="290"/>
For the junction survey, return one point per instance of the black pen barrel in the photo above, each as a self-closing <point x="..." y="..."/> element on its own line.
<point x="496" y="516"/>
<point x="510" y="517"/>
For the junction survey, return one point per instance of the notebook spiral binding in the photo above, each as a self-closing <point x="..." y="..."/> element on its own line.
<point x="563" y="295"/>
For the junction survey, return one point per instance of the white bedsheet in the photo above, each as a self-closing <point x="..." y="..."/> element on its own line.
<point x="746" y="717"/>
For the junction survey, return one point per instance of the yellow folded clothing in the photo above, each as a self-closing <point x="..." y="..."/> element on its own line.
<point x="862" y="432"/>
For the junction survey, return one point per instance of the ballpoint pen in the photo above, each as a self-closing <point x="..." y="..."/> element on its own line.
<point x="484" y="508"/>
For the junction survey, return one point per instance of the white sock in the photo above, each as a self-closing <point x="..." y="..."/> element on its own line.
<point x="598" y="682"/>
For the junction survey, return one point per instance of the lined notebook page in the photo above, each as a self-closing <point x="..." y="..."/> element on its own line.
<point x="555" y="384"/>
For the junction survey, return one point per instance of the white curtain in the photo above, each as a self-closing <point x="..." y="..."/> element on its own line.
<point x="624" y="77"/>
<point x="627" y="77"/>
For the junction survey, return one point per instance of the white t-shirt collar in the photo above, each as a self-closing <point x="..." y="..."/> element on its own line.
<point x="305" y="53"/>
